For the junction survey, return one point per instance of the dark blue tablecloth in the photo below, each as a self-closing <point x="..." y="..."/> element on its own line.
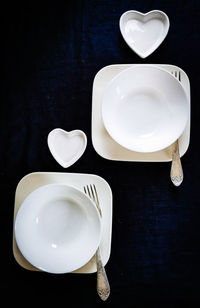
<point x="51" y="56"/>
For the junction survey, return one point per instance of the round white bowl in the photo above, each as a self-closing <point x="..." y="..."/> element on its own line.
<point x="145" y="108"/>
<point x="57" y="228"/>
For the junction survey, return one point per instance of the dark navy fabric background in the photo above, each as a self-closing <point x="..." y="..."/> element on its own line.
<point x="51" y="56"/>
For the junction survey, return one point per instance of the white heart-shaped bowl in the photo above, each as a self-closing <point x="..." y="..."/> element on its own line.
<point x="66" y="147"/>
<point x="145" y="108"/>
<point x="144" y="32"/>
<point x="57" y="228"/>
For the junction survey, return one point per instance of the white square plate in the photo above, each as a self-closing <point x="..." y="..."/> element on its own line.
<point x="34" y="180"/>
<point x="104" y="145"/>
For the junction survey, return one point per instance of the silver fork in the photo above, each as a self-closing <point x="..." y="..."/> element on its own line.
<point x="103" y="287"/>
<point x="176" y="172"/>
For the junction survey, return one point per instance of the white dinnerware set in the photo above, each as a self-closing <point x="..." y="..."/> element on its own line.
<point x="140" y="112"/>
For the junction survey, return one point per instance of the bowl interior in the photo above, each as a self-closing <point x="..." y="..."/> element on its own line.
<point x="145" y="108"/>
<point x="57" y="228"/>
<point x="144" y="32"/>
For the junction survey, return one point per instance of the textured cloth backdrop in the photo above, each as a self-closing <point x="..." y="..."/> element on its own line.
<point x="51" y="56"/>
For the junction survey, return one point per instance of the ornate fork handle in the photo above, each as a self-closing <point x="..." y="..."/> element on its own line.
<point x="176" y="173"/>
<point x="103" y="287"/>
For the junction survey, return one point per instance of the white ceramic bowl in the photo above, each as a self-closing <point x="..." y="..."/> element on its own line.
<point x="57" y="228"/>
<point x="144" y="32"/>
<point x="66" y="147"/>
<point x="145" y="108"/>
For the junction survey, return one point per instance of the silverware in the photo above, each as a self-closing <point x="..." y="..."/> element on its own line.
<point x="103" y="287"/>
<point x="176" y="172"/>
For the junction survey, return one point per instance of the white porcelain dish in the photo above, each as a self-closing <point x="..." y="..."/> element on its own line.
<point x="144" y="32"/>
<point x="104" y="145"/>
<point x="32" y="181"/>
<point x="145" y="109"/>
<point x="57" y="228"/>
<point x="66" y="147"/>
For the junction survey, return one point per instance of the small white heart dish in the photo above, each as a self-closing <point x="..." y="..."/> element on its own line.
<point x="66" y="147"/>
<point x="57" y="228"/>
<point x="145" y="108"/>
<point x="144" y="32"/>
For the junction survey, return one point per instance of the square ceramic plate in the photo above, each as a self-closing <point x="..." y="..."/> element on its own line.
<point x="34" y="180"/>
<point x="104" y="145"/>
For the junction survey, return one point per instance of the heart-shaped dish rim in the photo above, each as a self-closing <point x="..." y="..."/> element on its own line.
<point x="142" y="16"/>
<point x="66" y="164"/>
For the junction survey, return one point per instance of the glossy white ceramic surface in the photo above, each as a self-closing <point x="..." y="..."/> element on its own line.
<point x="106" y="146"/>
<point x="57" y="228"/>
<point x="66" y="147"/>
<point x="145" y="109"/>
<point x="144" y="32"/>
<point x="34" y="180"/>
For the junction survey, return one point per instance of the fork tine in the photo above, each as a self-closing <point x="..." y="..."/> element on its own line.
<point x="177" y="75"/>
<point x="96" y="193"/>
<point x="97" y="199"/>
<point x="92" y="192"/>
<point x="88" y="190"/>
